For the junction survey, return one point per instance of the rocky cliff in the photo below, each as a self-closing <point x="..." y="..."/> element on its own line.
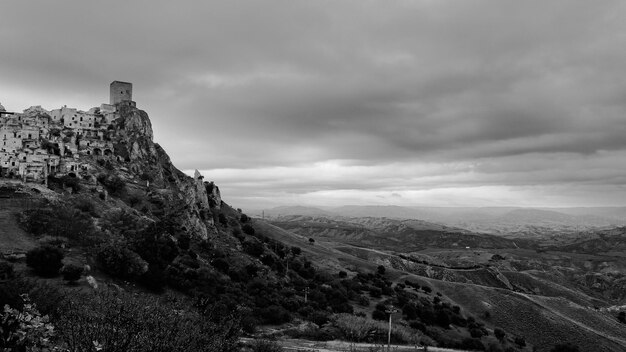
<point x="146" y="168"/>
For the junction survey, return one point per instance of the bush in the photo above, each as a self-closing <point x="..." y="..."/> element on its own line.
<point x="222" y="219"/>
<point x="266" y="346"/>
<point x="120" y="321"/>
<point x="45" y="260"/>
<point x="248" y="230"/>
<point x="25" y="330"/>
<point x="476" y="333"/>
<point x="220" y="264"/>
<point x="59" y="221"/>
<point x="472" y="344"/>
<point x="379" y="315"/>
<point x="121" y="262"/>
<point x="565" y="347"/>
<point x="274" y="315"/>
<point x="71" y="273"/>
<point x="115" y="184"/>
<point x="499" y="334"/>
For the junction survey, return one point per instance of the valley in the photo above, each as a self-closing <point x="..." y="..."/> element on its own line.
<point x="514" y="283"/>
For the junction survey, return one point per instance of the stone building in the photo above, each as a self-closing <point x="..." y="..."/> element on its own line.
<point x="37" y="143"/>
<point x="121" y="92"/>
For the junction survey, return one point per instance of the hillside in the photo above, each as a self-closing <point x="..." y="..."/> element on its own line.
<point x="149" y="233"/>
<point x="388" y="234"/>
<point x="561" y="225"/>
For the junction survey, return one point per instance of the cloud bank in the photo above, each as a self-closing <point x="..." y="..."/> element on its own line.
<point x="409" y="102"/>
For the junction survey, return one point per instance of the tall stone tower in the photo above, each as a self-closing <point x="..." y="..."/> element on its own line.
<point x="121" y="91"/>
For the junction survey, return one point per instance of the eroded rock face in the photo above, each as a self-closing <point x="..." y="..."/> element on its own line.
<point x="199" y="200"/>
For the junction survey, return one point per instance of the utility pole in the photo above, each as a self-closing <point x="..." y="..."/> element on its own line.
<point x="390" y="311"/>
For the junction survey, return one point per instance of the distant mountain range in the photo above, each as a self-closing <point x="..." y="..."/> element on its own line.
<point x="503" y="221"/>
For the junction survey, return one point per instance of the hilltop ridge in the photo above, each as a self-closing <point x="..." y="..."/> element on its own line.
<point x="99" y="150"/>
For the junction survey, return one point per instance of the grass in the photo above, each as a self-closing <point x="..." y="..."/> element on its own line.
<point x="12" y="238"/>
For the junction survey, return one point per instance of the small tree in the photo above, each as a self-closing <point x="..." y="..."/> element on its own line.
<point x="45" y="260"/>
<point x="71" y="273"/>
<point x="121" y="262"/>
<point x="622" y="317"/>
<point x="222" y="219"/>
<point x="248" y="230"/>
<point x="311" y="241"/>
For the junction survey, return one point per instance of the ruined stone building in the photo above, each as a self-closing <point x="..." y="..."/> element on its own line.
<point x="37" y="142"/>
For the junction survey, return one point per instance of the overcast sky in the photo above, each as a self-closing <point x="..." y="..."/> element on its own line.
<point x="402" y="102"/>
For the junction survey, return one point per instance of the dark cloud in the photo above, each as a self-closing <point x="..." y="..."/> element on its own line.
<point x="254" y="87"/>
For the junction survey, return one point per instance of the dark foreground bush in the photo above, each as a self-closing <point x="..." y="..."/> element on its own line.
<point x="121" y="262"/>
<point x="45" y="260"/>
<point x="71" y="273"/>
<point x="121" y="322"/>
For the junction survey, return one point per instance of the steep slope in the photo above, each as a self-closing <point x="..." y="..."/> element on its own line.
<point x="543" y="320"/>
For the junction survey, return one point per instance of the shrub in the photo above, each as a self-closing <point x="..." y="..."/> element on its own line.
<point x="119" y="321"/>
<point x="222" y="219"/>
<point x="380" y="270"/>
<point x="494" y="347"/>
<point x="520" y="341"/>
<point x="376" y="292"/>
<point x="319" y="317"/>
<point x="379" y="315"/>
<point x="220" y="264"/>
<point x="58" y="221"/>
<point x="121" y="262"/>
<point x="114" y="184"/>
<point x="71" y="272"/>
<point x="25" y="330"/>
<point x="472" y="344"/>
<point x="499" y="333"/>
<point x="565" y="347"/>
<point x="247" y="229"/>
<point x="45" y="260"/>
<point x="266" y="346"/>
<point x="476" y="333"/>
<point x="85" y="205"/>
<point x="274" y="315"/>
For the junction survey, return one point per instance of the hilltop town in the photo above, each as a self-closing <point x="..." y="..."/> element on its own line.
<point x="38" y="143"/>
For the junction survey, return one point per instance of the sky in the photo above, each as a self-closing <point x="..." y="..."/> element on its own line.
<point x="324" y="103"/>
